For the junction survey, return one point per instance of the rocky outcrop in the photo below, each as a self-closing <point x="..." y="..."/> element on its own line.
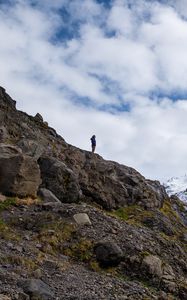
<point x="31" y="147"/>
<point x="6" y="100"/>
<point x="59" y="179"/>
<point x="113" y="185"/>
<point x="19" y="174"/>
<point x="71" y="173"/>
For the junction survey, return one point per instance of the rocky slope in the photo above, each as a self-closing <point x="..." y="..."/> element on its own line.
<point x="74" y="226"/>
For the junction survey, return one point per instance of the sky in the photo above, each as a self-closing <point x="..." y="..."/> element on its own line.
<point x="116" y="69"/>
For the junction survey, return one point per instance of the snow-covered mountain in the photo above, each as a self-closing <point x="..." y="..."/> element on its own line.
<point x="177" y="186"/>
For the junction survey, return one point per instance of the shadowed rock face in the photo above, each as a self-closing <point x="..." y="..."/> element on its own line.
<point x="59" y="179"/>
<point x="19" y="174"/>
<point x="6" y="100"/>
<point x="70" y="172"/>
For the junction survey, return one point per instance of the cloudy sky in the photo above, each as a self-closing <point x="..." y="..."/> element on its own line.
<point x="116" y="69"/>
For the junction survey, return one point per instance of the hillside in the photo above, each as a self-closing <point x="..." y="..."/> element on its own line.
<point x="75" y="226"/>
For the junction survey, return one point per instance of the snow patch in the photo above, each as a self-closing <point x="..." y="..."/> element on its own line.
<point x="177" y="186"/>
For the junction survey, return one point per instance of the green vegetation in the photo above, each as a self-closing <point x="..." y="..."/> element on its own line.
<point x="133" y="214"/>
<point x="81" y="250"/>
<point x="174" y="218"/>
<point x="12" y="201"/>
<point x="54" y="234"/>
<point x="28" y="263"/>
<point x="169" y="212"/>
<point x="7" y="233"/>
<point x="7" y="203"/>
<point x="181" y="205"/>
<point x="94" y="266"/>
<point x="144" y="254"/>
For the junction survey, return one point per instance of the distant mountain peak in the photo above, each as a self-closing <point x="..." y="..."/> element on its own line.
<point x="177" y="186"/>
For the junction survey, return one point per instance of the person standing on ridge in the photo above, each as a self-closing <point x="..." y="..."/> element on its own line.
<point x="93" y="142"/>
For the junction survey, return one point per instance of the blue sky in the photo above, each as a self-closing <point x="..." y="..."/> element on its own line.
<point x="117" y="69"/>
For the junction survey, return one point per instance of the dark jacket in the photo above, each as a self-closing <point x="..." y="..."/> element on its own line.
<point x="93" y="140"/>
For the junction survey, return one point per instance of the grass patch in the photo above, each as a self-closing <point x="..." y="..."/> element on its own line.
<point x="7" y="203"/>
<point x="28" y="201"/>
<point x="144" y="254"/>
<point x="133" y="214"/>
<point x="168" y="238"/>
<point x="94" y="266"/>
<point x="16" y="260"/>
<point x="169" y="212"/>
<point x="15" y="201"/>
<point x="8" y="233"/>
<point x="82" y="250"/>
<point x="174" y="218"/>
<point x="54" y="234"/>
<point x="181" y="206"/>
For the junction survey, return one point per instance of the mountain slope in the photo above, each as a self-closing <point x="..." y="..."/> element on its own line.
<point x="75" y="226"/>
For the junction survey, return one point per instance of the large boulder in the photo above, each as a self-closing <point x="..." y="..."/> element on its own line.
<point x="59" y="179"/>
<point x="111" y="184"/>
<point x="108" y="253"/>
<point x="19" y="174"/>
<point x="47" y="196"/>
<point x="152" y="265"/>
<point x="31" y="147"/>
<point x="36" y="289"/>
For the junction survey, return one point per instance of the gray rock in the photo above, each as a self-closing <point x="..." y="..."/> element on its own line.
<point x="31" y="147"/>
<point x="183" y="290"/>
<point x="2" y="198"/>
<point x="38" y="117"/>
<point x="36" y="288"/>
<point x="4" y="297"/>
<point x="23" y="296"/>
<point x="8" y="101"/>
<point x="168" y="273"/>
<point x="162" y="296"/>
<point x="170" y="286"/>
<point x="19" y="174"/>
<point x="152" y="265"/>
<point x="37" y="273"/>
<point x="113" y="185"/>
<point x="3" y="134"/>
<point x="160" y="223"/>
<point x="59" y="179"/>
<point x="47" y="196"/>
<point x="82" y="219"/>
<point x="184" y="237"/>
<point x="108" y="253"/>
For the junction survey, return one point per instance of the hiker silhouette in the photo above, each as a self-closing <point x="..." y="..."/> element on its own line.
<point x="93" y="143"/>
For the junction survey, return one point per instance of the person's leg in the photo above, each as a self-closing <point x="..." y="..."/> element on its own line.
<point x="93" y="148"/>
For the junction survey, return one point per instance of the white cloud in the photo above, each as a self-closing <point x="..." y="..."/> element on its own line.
<point x="167" y="35"/>
<point x="119" y="56"/>
<point x="121" y="20"/>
